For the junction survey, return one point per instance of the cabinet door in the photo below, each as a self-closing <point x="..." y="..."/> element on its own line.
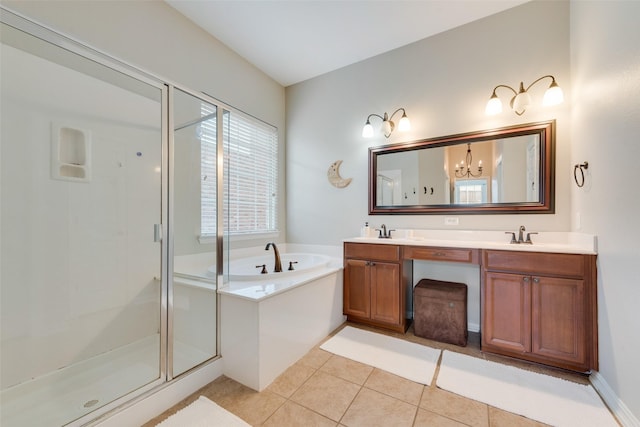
<point x="558" y="328"/>
<point x="506" y="323"/>
<point x="357" y="294"/>
<point x="385" y="293"/>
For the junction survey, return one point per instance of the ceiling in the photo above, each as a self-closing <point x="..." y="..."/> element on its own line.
<point x="295" y="40"/>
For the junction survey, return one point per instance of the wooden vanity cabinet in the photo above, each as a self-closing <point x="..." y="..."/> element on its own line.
<point x="375" y="283"/>
<point x="540" y="307"/>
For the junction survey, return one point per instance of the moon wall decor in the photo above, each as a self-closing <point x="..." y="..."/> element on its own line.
<point x="333" y="175"/>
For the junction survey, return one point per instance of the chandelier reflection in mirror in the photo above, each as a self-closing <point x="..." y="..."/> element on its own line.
<point x="387" y="124"/>
<point x="463" y="169"/>
<point x="522" y="99"/>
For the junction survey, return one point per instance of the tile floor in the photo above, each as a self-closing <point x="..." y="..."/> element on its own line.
<point x="323" y="389"/>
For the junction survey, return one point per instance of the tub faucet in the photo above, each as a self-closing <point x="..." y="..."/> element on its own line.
<point x="277" y="268"/>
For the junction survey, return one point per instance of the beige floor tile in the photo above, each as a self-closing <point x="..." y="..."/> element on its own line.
<point x="395" y="386"/>
<point x="323" y="385"/>
<point x="456" y="407"/>
<point x="248" y="404"/>
<point x="431" y="419"/>
<point x="327" y="395"/>
<point x="225" y="391"/>
<point x="371" y="408"/>
<point x="257" y="407"/>
<point x="347" y="369"/>
<point x="291" y="379"/>
<point x="293" y="415"/>
<point x="500" y="418"/>
<point x="315" y="358"/>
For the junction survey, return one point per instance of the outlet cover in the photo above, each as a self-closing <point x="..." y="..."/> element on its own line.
<point x="451" y="220"/>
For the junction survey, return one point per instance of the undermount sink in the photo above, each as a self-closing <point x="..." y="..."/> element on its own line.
<point x="544" y="241"/>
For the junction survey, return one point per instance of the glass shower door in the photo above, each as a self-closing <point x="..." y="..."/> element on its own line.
<point x="193" y="303"/>
<point x="81" y="272"/>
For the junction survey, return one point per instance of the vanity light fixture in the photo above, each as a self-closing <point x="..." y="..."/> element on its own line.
<point x="463" y="169"/>
<point x="387" y="124"/>
<point x="521" y="99"/>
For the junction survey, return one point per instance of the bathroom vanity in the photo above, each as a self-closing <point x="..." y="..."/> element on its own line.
<point x="537" y="302"/>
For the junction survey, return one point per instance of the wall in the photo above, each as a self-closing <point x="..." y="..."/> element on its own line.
<point x="444" y="83"/>
<point x="156" y="38"/>
<point x="605" y="65"/>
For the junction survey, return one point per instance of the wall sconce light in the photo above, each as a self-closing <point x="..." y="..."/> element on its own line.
<point x="387" y="124"/>
<point x="463" y="170"/>
<point x="521" y="99"/>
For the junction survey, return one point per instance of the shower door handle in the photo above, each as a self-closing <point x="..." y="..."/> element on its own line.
<point x="157" y="232"/>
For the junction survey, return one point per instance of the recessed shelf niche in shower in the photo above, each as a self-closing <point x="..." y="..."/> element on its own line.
<point x="70" y="153"/>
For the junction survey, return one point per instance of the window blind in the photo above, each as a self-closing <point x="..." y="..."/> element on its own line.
<point x="251" y="176"/>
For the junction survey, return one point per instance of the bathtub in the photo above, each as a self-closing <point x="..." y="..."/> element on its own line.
<point x="246" y="281"/>
<point x="293" y="264"/>
<point x="269" y="321"/>
<point x="310" y="262"/>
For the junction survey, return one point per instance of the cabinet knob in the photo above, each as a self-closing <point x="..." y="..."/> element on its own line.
<point x="536" y="280"/>
<point x="525" y="279"/>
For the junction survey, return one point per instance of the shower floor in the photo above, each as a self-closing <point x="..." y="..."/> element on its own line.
<point x="72" y="392"/>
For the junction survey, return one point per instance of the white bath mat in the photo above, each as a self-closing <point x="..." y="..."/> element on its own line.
<point x="203" y="413"/>
<point x="540" y="397"/>
<point x="412" y="361"/>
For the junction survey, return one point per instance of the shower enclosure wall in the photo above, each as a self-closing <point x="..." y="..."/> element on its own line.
<point x="102" y="183"/>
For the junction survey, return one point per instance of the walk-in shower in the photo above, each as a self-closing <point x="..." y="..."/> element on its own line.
<point x="101" y="184"/>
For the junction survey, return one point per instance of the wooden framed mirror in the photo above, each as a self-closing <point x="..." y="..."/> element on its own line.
<point x="509" y="170"/>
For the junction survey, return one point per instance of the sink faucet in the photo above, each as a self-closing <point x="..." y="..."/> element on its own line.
<point x="383" y="233"/>
<point x="520" y="236"/>
<point x="277" y="268"/>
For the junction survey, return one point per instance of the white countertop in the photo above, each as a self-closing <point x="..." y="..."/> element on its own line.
<point x="544" y="241"/>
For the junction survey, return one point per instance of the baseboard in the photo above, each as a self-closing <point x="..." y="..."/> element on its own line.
<point x="617" y="406"/>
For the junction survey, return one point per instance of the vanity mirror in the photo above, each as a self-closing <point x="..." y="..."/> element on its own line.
<point x="507" y="170"/>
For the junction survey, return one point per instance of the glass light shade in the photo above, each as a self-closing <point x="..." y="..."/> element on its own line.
<point x="494" y="106"/>
<point x="367" y="130"/>
<point x="386" y="128"/>
<point x="521" y="102"/>
<point x="553" y="95"/>
<point x="404" y="124"/>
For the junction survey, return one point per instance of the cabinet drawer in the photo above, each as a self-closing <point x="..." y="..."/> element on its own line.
<point x="557" y="264"/>
<point x="382" y="252"/>
<point x="442" y="254"/>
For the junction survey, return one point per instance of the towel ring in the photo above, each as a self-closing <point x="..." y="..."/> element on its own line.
<point x="580" y="167"/>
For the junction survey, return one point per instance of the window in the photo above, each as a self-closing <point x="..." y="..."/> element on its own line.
<point x="470" y="191"/>
<point x="251" y="175"/>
